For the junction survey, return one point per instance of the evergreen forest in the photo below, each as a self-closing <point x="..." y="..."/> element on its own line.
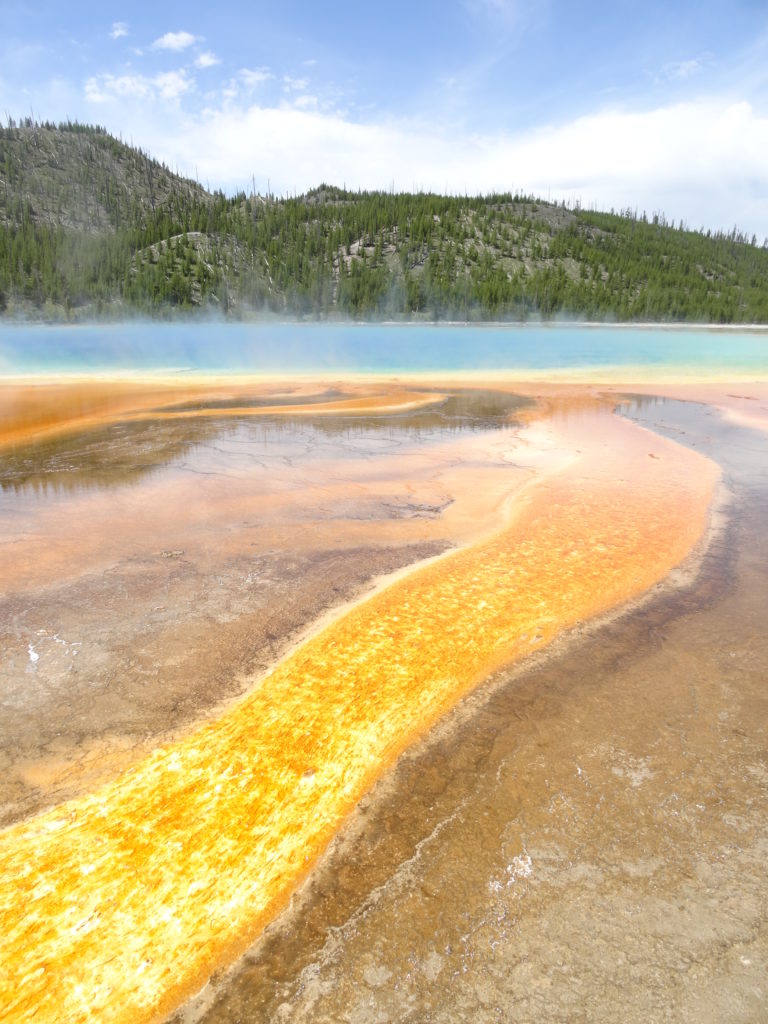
<point x="91" y="227"/>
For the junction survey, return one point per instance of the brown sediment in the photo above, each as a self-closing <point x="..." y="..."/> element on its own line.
<point x="132" y="659"/>
<point x="303" y="499"/>
<point x="393" y="402"/>
<point x="119" y="903"/>
<point x="32" y="411"/>
<point x="149" y="602"/>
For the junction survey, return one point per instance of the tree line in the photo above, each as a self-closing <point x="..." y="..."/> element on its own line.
<point x="92" y="226"/>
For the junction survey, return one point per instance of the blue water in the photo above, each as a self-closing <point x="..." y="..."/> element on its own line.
<point x="372" y="348"/>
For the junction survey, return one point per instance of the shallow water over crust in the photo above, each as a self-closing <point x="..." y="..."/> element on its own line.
<point x="150" y="571"/>
<point x="174" y="867"/>
<point x="582" y="839"/>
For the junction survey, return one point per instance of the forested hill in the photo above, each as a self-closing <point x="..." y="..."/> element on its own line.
<point x="91" y="227"/>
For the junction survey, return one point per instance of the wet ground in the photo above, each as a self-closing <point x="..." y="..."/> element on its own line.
<point x="150" y="570"/>
<point x="582" y="839"/>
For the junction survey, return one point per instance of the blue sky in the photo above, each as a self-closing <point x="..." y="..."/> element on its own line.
<point x="655" y="106"/>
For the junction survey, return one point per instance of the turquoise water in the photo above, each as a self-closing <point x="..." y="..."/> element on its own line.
<point x="396" y="348"/>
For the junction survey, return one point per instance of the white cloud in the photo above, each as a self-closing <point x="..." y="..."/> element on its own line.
<point x="174" y="41"/>
<point x="172" y="84"/>
<point x="251" y="77"/>
<point x="101" y="88"/>
<point x="206" y="60"/>
<point x="168" y="85"/>
<point x="294" y="84"/>
<point x="705" y="161"/>
<point x="306" y="102"/>
<point x="119" y="28"/>
<point x="682" y="69"/>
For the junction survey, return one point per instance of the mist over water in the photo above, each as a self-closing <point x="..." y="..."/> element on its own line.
<point x="371" y="348"/>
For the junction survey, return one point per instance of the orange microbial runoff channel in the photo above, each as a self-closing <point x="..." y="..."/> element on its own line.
<point x="118" y="905"/>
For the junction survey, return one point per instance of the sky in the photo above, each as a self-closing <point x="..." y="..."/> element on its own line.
<point x="659" y="107"/>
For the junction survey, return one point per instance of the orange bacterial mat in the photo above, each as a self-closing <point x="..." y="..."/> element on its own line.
<point x="115" y="906"/>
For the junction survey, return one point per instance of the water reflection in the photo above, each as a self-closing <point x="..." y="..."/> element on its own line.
<point x="129" y="452"/>
<point x="118" y="454"/>
<point x="289" y="397"/>
<point x="741" y="453"/>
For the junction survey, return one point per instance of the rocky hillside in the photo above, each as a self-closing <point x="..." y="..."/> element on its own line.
<point x="92" y="227"/>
